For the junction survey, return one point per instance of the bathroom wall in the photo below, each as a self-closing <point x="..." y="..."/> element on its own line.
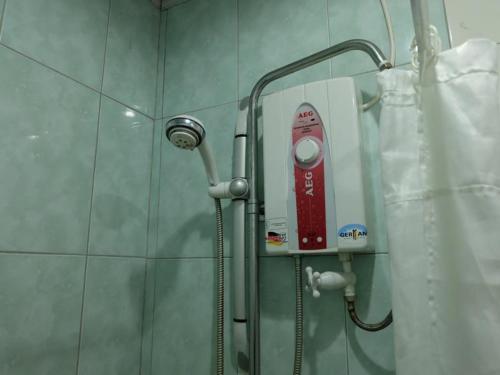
<point x="106" y="231"/>
<point x="214" y="51"/>
<point x="77" y="103"/>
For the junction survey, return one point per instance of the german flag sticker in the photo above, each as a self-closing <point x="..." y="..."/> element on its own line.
<point x="276" y="239"/>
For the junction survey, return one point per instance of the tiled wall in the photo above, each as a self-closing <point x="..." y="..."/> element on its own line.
<point x="215" y="50"/>
<point x="106" y="230"/>
<point x="77" y="108"/>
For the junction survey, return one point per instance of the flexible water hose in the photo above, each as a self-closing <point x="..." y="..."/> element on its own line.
<point x="371" y="327"/>
<point x="220" y="290"/>
<point x="299" y="318"/>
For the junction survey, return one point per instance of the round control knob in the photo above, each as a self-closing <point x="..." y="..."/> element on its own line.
<point x="307" y="151"/>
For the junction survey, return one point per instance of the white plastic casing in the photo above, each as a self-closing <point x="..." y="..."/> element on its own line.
<point x="336" y="101"/>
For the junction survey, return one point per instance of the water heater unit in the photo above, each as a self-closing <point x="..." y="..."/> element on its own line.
<point x="314" y="197"/>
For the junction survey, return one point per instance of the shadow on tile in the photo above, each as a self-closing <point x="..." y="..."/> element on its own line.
<point x="184" y="317"/>
<point x="112" y="319"/>
<point x="203" y="225"/>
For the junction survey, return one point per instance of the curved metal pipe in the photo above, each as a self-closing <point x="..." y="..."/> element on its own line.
<point x="252" y="203"/>
<point x="370" y="327"/>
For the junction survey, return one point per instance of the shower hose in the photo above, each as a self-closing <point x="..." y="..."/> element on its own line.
<point x="219" y="364"/>
<point x="299" y="318"/>
<point x="370" y="327"/>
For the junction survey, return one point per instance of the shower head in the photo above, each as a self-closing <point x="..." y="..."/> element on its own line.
<point x="188" y="133"/>
<point x="185" y="132"/>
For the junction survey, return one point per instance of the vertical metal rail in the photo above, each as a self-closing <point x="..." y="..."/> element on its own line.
<point x="252" y="231"/>
<point x="420" y="14"/>
<point x="240" y="334"/>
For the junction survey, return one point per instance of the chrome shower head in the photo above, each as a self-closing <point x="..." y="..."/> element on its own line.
<point x="188" y="133"/>
<point x="185" y="132"/>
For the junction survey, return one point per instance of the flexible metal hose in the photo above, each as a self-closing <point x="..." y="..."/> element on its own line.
<point x="220" y="290"/>
<point x="371" y="327"/>
<point x="299" y="318"/>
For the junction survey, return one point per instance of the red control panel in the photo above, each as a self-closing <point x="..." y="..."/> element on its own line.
<point x="309" y="177"/>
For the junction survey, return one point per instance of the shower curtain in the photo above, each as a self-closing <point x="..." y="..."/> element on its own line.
<point x="440" y="153"/>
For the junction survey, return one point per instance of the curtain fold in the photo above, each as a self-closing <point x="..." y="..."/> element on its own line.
<point x="440" y="155"/>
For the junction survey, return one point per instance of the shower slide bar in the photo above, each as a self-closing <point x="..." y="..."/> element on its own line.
<point x="420" y="14"/>
<point x="246" y="211"/>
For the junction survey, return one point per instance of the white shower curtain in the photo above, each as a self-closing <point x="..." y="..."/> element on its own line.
<point x="440" y="152"/>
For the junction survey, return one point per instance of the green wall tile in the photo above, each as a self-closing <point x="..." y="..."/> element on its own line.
<point x="184" y="318"/>
<point x="131" y="54"/>
<point x="49" y="126"/>
<point x="186" y="217"/>
<point x="69" y="36"/>
<point x="122" y="177"/>
<point x="201" y="59"/>
<point x="275" y="33"/>
<point x="324" y="320"/>
<point x="112" y="317"/>
<point x="371" y="353"/>
<point x="41" y="298"/>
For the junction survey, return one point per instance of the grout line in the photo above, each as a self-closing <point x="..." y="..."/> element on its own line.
<point x="116" y="256"/>
<point x="73" y="79"/>
<point x="94" y="173"/>
<point x="80" y="333"/>
<point x="48" y="66"/>
<point x="446" y="23"/>
<point x="328" y="25"/>
<point x="160" y="67"/>
<point x="128" y="106"/>
<point x="153" y="313"/>
<point x="144" y="291"/>
<point x="238" y="50"/>
<point x="2" y="14"/>
<point x="191" y="258"/>
<point x="92" y="194"/>
<point x="106" y="46"/>
<point x="150" y="236"/>
<point x="97" y="132"/>
<point x="150" y="193"/>
<point x="164" y="65"/>
<point x="18" y="252"/>
<point x="160" y="153"/>
<point x="158" y="193"/>
<point x="200" y="109"/>
<point x="148" y="223"/>
<point x="155" y="109"/>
